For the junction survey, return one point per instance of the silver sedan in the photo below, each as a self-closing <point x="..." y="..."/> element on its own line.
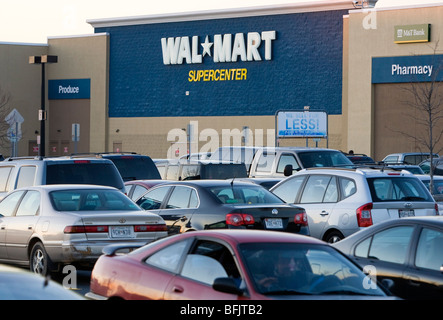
<point x="47" y="227"/>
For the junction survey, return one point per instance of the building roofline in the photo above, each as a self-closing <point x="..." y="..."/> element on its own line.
<point x="320" y="5"/>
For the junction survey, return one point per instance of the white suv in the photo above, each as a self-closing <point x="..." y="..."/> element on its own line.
<point x="339" y="202"/>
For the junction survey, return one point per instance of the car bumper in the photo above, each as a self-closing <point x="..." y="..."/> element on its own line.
<point x="86" y="252"/>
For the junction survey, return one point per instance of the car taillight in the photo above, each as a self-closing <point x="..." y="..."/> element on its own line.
<point x="364" y="215"/>
<point x="301" y="219"/>
<point x="150" y="228"/>
<point x="239" y="219"/>
<point x="437" y="212"/>
<point x="85" y="229"/>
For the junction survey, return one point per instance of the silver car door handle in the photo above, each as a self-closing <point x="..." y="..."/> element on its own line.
<point x="324" y="213"/>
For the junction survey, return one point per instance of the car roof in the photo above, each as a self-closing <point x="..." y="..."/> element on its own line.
<point x="363" y="171"/>
<point x="247" y="236"/>
<point x="51" y="187"/>
<point x="210" y="182"/>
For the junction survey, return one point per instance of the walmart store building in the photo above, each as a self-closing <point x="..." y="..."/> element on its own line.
<point x="137" y="83"/>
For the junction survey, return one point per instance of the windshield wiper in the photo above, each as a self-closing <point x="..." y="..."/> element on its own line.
<point x="347" y="292"/>
<point x="412" y="198"/>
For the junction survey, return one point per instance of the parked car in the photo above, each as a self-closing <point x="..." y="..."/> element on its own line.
<point x="437" y="191"/>
<point x="45" y="227"/>
<point x="20" y="284"/>
<point x="205" y="169"/>
<point x="339" y="202"/>
<point x="231" y="265"/>
<point x="267" y="183"/>
<point x="131" y="165"/>
<point x="414" y="169"/>
<point x="407" y="157"/>
<point x="136" y="188"/>
<point x="360" y="158"/>
<point x="215" y="204"/>
<point x="408" y="251"/>
<point x="28" y="171"/>
<point x="285" y="161"/>
<point x="236" y="154"/>
<point x="438" y="166"/>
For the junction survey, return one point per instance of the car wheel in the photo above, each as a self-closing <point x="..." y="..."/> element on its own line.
<point x="333" y="236"/>
<point x="39" y="261"/>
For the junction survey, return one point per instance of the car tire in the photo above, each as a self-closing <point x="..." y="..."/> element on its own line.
<point x="333" y="236"/>
<point x="39" y="261"/>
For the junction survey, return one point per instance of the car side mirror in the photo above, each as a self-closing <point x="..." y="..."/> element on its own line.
<point x="227" y="285"/>
<point x="288" y="170"/>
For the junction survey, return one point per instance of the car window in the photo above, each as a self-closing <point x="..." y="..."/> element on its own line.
<point x="134" y="167"/>
<point x="286" y="159"/>
<point x="180" y="198"/>
<point x="153" y="198"/>
<point x="265" y="162"/>
<point x="398" y="189"/>
<point x="289" y="189"/>
<point x="331" y="194"/>
<point x="391" y="159"/>
<point x="315" y="188"/>
<point x="85" y="172"/>
<point x="244" y="194"/>
<point x="347" y="186"/>
<point x="26" y="176"/>
<point x="430" y="250"/>
<point x="30" y="204"/>
<point x="138" y="191"/>
<point x="168" y="258"/>
<point x="9" y="203"/>
<point x="91" y="200"/>
<point x="209" y="260"/>
<point x="389" y="245"/>
<point x="4" y="177"/>
<point x="323" y="159"/>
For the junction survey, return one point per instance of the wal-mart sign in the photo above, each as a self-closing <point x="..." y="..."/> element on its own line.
<point x="69" y="89"/>
<point x="301" y="124"/>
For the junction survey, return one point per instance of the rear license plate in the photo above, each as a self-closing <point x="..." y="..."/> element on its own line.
<point x="121" y="232"/>
<point x="406" y="213"/>
<point x="272" y="223"/>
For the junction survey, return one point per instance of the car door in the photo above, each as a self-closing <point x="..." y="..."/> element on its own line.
<point x="7" y="210"/>
<point x="179" y="208"/>
<point x="424" y="272"/>
<point x="22" y="226"/>
<point x="386" y="253"/>
<point x="318" y="198"/>
<point x="206" y="261"/>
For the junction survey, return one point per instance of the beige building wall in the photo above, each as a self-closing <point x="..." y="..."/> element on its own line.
<point x="21" y="81"/>
<point x="371" y="34"/>
<point x="84" y="57"/>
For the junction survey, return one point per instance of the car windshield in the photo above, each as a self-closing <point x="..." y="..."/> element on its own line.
<point x="244" y="194"/>
<point x="91" y="200"/>
<point x="398" y="189"/>
<point x="324" y="159"/>
<point x="305" y="269"/>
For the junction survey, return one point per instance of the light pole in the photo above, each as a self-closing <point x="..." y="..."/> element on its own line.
<point x="44" y="59"/>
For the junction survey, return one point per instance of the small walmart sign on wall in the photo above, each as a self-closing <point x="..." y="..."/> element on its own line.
<point x="69" y="89"/>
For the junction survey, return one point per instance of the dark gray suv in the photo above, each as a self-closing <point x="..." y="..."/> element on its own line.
<point x="22" y="172"/>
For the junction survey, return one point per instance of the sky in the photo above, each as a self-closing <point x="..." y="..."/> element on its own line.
<point x="26" y="21"/>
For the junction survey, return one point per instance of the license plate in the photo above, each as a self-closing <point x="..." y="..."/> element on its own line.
<point x="405" y="213"/>
<point x="121" y="232"/>
<point x="273" y="223"/>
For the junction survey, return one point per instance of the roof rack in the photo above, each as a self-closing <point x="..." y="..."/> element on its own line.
<point x="97" y="154"/>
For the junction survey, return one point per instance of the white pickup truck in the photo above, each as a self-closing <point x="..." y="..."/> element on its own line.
<point x="280" y="161"/>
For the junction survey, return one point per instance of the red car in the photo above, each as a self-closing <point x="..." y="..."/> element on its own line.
<point x="231" y="265"/>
